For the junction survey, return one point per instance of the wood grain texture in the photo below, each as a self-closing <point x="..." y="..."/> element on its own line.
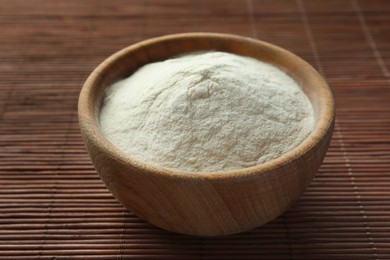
<point x="205" y="203"/>
<point x="54" y="205"/>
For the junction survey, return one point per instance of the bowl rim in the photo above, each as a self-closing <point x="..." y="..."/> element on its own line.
<point x="91" y="130"/>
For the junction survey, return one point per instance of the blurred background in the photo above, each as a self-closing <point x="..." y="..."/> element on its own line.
<point x="52" y="203"/>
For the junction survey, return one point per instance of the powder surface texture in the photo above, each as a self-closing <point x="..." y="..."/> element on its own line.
<point x="209" y="111"/>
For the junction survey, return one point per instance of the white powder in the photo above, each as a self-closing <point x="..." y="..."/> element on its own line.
<point x="208" y="111"/>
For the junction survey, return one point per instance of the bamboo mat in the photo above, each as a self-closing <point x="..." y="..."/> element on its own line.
<point x="52" y="203"/>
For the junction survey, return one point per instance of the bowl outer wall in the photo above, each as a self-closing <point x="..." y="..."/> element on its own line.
<point x="204" y="203"/>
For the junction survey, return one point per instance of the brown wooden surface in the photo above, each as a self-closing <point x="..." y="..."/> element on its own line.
<point x="52" y="203"/>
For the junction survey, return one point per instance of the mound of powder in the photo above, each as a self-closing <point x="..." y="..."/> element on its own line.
<point x="209" y="111"/>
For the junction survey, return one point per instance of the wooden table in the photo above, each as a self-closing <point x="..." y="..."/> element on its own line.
<point x="52" y="203"/>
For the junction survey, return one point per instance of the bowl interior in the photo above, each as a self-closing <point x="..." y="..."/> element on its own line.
<point x="123" y="63"/>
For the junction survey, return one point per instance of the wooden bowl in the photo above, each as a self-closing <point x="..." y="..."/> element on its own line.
<point x="205" y="203"/>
